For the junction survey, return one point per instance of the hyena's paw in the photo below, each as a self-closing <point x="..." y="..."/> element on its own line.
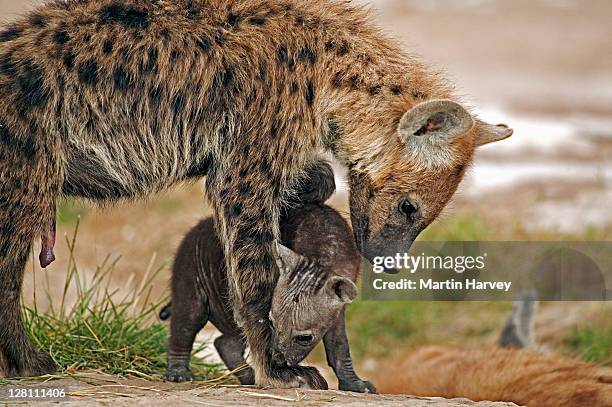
<point x="41" y="364"/>
<point x="178" y="374"/>
<point x="358" y="386"/>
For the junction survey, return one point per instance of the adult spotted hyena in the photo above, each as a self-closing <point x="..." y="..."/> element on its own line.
<point x="111" y="100"/>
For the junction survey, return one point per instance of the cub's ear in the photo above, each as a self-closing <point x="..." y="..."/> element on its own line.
<point x="286" y="259"/>
<point x="490" y="133"/>
<point x="437" y="118"/>
<point x="341" y="289"/>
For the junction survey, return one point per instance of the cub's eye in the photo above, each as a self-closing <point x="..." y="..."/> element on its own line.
<point x="407" y="208"/>
<point x="304" y="340"/>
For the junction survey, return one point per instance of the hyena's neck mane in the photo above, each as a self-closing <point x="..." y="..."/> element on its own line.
<point x="368" y="83"/>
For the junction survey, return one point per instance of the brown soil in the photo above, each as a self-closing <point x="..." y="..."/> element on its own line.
<point x="99" y="390"/>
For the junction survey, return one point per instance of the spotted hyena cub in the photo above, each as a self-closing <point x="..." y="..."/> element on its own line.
<point x="307" y="304"/>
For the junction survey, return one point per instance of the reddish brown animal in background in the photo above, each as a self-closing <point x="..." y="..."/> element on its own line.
<point x="522" y="376"/>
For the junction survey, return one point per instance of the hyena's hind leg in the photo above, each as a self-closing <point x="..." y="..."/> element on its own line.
<point x="29" y="186"/>
<point x="231" y="349"/>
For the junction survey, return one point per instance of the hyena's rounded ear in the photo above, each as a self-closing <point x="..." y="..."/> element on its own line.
<point x="341" y="289"/>
<point x="286" y="259"/>
<point x="490" y="133"/>
<point x="435" y="119"/>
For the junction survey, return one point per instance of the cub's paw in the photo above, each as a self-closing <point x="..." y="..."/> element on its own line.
<point x="358" y="386"/>
<point x="178" y="374"/>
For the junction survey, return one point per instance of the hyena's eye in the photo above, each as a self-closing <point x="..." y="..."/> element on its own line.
<point x="304" y="339"/>
<point x="406" y="208"/>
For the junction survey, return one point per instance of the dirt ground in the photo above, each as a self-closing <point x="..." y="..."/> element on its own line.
<point x="99" y="390"/>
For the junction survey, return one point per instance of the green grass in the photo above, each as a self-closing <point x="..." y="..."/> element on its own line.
<point x="69" y="211"/>
<point x="594" y="344"/>
<point x="100" y="329"/>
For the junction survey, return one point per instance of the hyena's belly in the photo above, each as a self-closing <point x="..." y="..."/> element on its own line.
<point x="110" y="172"/>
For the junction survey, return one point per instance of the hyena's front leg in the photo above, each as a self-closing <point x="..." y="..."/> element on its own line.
<point x="247" y="222"/>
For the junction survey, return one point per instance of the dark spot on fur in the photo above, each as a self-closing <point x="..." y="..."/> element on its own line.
<point x="355" y="81"/>
<point x="174" y="55"/>
<point x="227" y="77"/>
<point x="88" y="72"/>
<point x="329" y="45"/>
<point x="294" y="87"/>
<point x="337" y="80"/>
<point x="122" y="79"/>
<point x="165" y="34"/>
<point x="127" y="15"/>
<point x="262" y="72"/>
<point x="107" y="47"/>
<point x="29" y="148"/>
<point x="375" y="90"/>
<point x="310" y="93"/>
<point x="201" y="168"/>
<point x="7" y="66"/>
<point x="257" y="20"/>
<point x="299" y="20"/>
<point x="264" y="166"/>
<point x="193" y="12"/>
<point x="274" y="130"/>
<point x="69" y="60"/>
<point x="282" y="54"/>
<point x="232" y="19"/>
<point x="251" y="235"/>
<point x="396" y="89"/>
<point x="220" y="38"/>
<point x="308" y="54"/>
<point x="38" y="20"/>
<point x="343" y="48"/>
<point x="61" y="36"/>
<point x="151" y="65"/>
<point x="178" y="103"/>
<point x="10" y="33"/>
<point x="204" y="44"/>
<point x="459" y="170"/>
<point x="155" y="94"/>
<point x="32" y="85"/>
<point x="244" y="188"/>
<point x="236" y="209"/>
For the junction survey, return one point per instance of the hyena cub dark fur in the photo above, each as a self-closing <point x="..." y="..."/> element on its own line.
<point x="319" y="280"/>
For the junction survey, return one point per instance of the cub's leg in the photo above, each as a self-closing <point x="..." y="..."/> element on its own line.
<point x="231" y="349"/>
<point x="189" y="315"/>
<point x="339" y="359"/>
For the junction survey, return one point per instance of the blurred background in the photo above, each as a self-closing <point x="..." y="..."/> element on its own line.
<point x="542" y="66"/>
